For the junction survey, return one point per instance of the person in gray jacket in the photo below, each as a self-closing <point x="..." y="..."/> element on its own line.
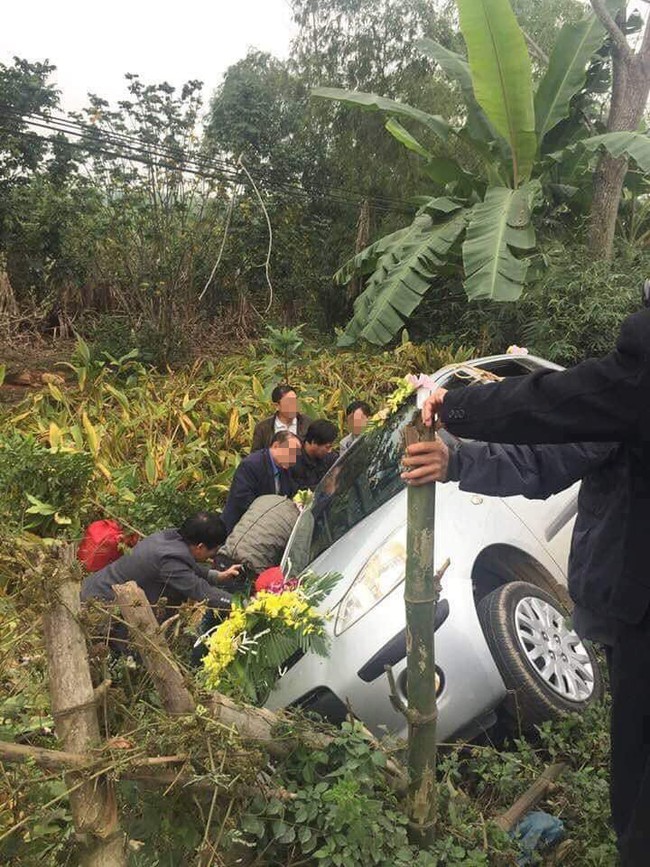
<point x="260" y="536"/>
<point x="167" y="564"/>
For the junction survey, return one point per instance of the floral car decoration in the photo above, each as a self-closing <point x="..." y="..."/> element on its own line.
<point x="246" y="653"/>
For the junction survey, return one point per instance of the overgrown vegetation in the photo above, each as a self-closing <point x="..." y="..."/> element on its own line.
<point x="159" y="446"/>
<point x="130" y="213"/>
<point x="144" y="228"/>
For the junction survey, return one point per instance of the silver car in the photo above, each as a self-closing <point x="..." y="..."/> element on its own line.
<point x="503" y="643"/>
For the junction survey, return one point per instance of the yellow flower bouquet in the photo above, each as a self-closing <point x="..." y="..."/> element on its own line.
<point x="248" y="651"/>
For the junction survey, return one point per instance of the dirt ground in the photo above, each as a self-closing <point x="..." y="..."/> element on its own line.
<point x="26" y="358"/>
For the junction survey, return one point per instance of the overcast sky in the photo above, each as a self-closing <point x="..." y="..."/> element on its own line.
<point x="93" y="44"/>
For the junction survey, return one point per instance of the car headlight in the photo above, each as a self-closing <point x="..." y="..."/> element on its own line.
<point x="381" y="574"/>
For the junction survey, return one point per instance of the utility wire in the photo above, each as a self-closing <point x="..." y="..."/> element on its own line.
<point x="175" y="159"/>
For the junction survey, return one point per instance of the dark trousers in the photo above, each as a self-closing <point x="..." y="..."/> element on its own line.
<point x="629" y="669"/>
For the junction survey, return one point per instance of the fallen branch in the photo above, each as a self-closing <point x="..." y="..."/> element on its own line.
<point x="56" y="760"/>
<point x="250" y="723"/>
<point x="524" y="804"/>
<point x="154" y="650"/>
<point x="146" y="770"/>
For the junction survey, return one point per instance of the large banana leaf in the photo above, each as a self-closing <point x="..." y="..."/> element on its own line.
<point x="372" y="102"/>
<point x="497" y="224"/>
<point x="367" y="260"/>
<point x="501" y="76"/>
<point x="457" y="68"/>
<point x="635" y="145"/>
<point x="567" y="71"/>
<point x="403" y="276"/>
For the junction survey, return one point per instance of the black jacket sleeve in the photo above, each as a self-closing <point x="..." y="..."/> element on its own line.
<point x="606" y="399"/>
<point x="535" y="472"/>
<point x="244" y="489"/>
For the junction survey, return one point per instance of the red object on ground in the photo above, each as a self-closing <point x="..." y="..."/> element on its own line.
<point x="101" y="544"/>
<point x="271" y="580"/>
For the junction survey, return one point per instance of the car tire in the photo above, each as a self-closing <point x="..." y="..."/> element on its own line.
<point x="547" y="670"/>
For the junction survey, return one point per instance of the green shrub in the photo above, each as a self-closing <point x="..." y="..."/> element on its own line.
<point x="43" y="490"/>
<point x="149" y="508"/>
<point x="573" y="311"/>
<point x="112" y="336"/>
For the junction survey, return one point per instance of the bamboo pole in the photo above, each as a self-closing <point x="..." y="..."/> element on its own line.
<point x="421" y="592"/>
<point x="93" y="804"/>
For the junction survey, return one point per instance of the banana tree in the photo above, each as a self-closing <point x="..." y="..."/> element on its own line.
<point x="482" y="219"/>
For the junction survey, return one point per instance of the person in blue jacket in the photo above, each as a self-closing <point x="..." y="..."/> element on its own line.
<point x="263" y="472"/>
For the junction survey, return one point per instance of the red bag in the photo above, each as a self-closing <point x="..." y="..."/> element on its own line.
<point x="101" y="544"/>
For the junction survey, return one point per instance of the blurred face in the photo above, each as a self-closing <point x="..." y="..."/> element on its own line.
<point x="286" y="454"/>
<point x="316" y="451"/>
<point x="357" y="421"/>
<point x="288" y="406"/>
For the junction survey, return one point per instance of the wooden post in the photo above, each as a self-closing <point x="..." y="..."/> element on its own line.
<point x="93" y="805"/>
<point x="421" y="592"/>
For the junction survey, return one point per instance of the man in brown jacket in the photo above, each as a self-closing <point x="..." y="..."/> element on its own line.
<point x="286" y="417"/>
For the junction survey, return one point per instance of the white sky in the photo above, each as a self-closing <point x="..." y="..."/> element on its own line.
<point x="93" y="44"/>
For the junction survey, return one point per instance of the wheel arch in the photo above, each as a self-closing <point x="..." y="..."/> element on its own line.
<point x="501" y="564"/>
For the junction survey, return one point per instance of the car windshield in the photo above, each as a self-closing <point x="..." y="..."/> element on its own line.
<point x="365" y="478"/>
<point x="368" y="475"/>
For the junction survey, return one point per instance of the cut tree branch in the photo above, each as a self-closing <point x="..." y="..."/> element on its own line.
<point x="146" y="770"/>
<point x="618" y="37"/>
<point x="532" y="795"/>
<point x="251" y="723"/>
<point x="73" y="704"/>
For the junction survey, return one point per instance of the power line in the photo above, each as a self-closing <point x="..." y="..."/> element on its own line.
<point x="133" y="149"/>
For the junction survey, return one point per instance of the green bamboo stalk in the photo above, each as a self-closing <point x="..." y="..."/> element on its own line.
<point x="421" y="594"/>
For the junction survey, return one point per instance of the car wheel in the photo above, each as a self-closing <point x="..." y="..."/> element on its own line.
<point x="546" y="668"/>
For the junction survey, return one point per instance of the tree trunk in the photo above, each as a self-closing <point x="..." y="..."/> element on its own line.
<point x="630" y="88"/>
<point x="355" y="286"/>
<point x="420" y="597"/>
<point x="93" y="804"/>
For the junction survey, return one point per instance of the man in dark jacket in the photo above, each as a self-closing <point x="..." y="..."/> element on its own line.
<point x="262" y="472"/>
<point x="537" y="472"/>
<point x="317" y="455"/>
<point x="285" y="417"/>
<point x="166" y="564"/>
<point x="605" y="399"/>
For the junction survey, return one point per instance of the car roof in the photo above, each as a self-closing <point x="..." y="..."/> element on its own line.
<point x="533" y="362"/>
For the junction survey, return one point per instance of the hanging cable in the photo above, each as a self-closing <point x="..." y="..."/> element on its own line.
<point x="267" y="263"/>
<point x="231" y="208"/>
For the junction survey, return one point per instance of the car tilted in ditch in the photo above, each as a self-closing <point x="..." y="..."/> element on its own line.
<point x="504" y="643"/>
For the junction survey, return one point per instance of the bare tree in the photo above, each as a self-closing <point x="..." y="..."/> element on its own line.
<point x="630" y="87"/>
